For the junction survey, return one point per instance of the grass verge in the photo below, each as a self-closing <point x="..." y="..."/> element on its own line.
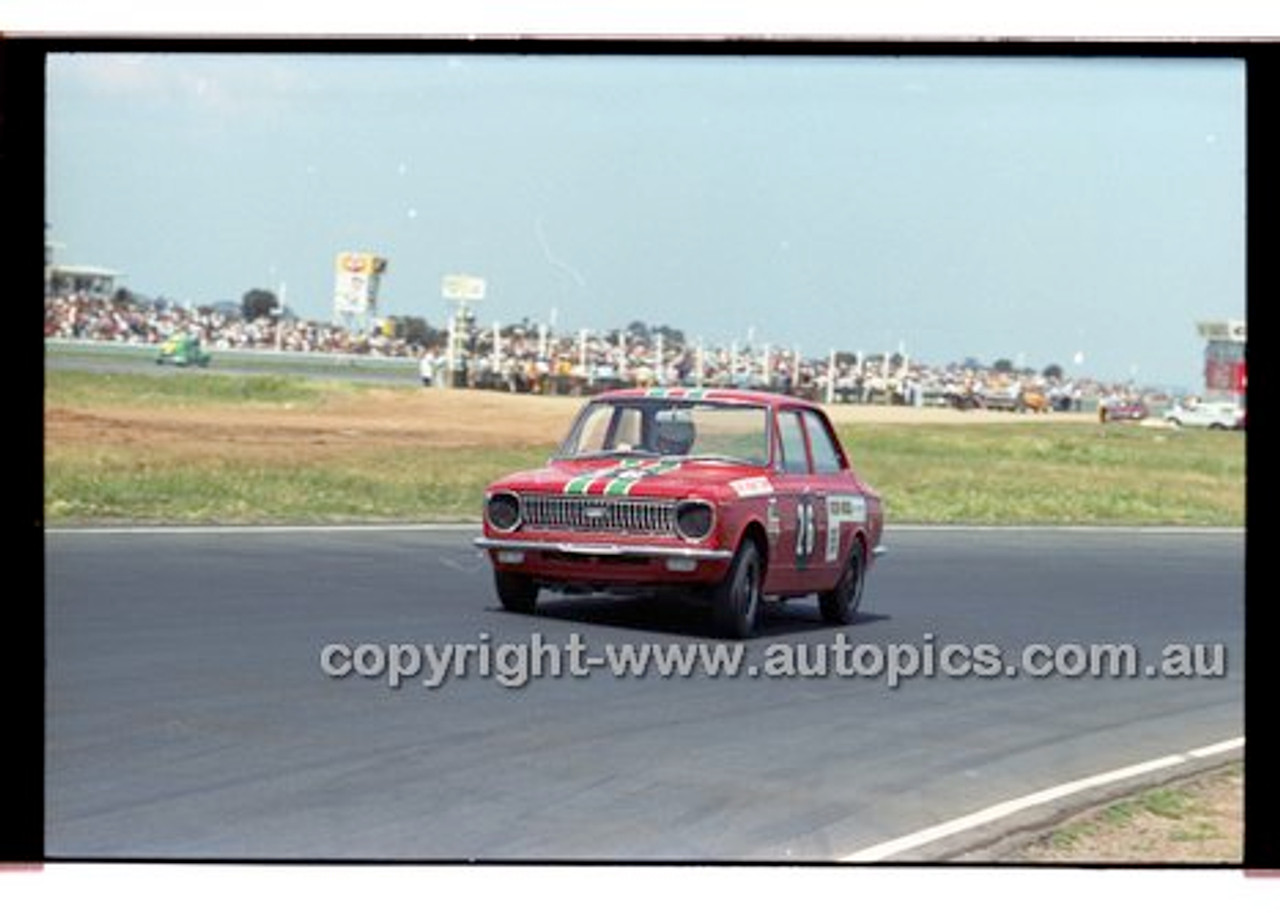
<point x="1053" y="473"/>
<point x="111" y="484"/>
<point x="1198" y="822"/>
<point x="181" y="447"/>
<point x="185" y="388"/>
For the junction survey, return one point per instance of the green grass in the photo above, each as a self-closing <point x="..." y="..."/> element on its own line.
<point x="1035" y="473"/>
<point x="184" y="387"/>
<point x="1053" y="473"/>
<point x="1182" y="805"/>
<point x="431" y="484"/>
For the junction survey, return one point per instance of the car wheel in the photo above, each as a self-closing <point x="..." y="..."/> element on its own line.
<point x="840" y="606"/>
<point x="516" y="592"/>
<point x="735" y="603"/>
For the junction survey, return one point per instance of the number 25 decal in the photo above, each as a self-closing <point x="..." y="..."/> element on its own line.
<point x="806" y="530"/>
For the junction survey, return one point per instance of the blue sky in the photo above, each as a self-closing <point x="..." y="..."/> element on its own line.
<point x="1030" y="208"/>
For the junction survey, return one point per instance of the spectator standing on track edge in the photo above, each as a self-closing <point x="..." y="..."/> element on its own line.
<point x="426" y="368"/>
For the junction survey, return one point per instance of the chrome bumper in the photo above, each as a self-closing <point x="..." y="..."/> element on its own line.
<point x="605" y="550"/>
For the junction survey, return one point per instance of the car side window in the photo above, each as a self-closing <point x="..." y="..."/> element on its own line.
<point x="826" y="456"/>
<point x="791" y="439"/>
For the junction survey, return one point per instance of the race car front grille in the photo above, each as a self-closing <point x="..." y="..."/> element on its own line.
<point x="617" y="515"/>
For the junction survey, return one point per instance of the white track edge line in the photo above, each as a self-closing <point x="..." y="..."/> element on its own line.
<point x="882" y="851"/>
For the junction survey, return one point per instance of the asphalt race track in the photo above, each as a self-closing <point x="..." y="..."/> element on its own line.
<point x="188" y="715"/>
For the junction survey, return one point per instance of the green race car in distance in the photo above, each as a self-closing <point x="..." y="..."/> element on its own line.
<point x="182" y="349"/>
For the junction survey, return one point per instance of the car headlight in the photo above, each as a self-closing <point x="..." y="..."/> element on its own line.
<point x="694" y="519"/>
<point x="503" y="511"/>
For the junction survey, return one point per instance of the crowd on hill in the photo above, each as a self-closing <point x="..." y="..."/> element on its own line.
<point x="525" y="359"/>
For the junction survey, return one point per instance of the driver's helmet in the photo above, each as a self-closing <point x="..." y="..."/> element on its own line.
<point x="674" y="434"/>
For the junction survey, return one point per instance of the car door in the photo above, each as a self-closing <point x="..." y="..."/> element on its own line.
<point x="797" y="507"/>
<point x="839" y="507"/>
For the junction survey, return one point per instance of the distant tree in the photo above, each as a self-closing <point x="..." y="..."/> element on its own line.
<point x="670" y="335"/>
<point x="417" y="332"/>
<point x="1003" y="365"/>
<point x="414" y="330"/>
<point x="258" y="303"/>
<point x="636" y="330"/>
<point x="1053" y="372"/>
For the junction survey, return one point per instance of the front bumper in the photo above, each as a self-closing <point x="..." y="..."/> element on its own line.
<point x="606" y="564"/>
<point x="606" y="549"/>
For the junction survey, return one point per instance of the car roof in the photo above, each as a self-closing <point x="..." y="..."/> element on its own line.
<point x="707" y="394"/>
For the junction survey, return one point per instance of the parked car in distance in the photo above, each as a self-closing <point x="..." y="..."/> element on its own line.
<point x="729" y="495"/>
<point x="1218" y="415"/>
<point x="1002" y="399"/>
<point x="1034" y="401"/>
<point x="1122" y="410"/>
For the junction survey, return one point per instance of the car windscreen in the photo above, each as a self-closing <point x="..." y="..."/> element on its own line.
<point x="667" y="428"/>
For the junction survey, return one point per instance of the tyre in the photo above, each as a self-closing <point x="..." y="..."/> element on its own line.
<point x="735" y="602"/>
<point x="516" y="592"/>
<point x="840" y="606"/>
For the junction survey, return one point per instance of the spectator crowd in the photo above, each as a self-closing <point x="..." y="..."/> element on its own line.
<point x="81" y="316"/>
<point x="524" y="359"/>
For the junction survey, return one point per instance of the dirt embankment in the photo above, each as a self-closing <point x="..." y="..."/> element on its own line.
<point x="389" y="418"/>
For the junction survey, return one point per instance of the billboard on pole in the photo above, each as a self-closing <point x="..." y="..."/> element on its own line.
<point x="356" y="278"/>
<point x="459" y="287"/>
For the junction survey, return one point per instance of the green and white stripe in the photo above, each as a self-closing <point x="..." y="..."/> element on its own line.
<point x="620" y="478"/>
<point x="695" y="393"/>
<point x="628" y="479"/>
<point x="578" y="485"/>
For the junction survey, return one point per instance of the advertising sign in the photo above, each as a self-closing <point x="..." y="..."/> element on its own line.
<point x="356" y="278"/>
<point x="1223" y="330"/>
<point x="458" y="287"/>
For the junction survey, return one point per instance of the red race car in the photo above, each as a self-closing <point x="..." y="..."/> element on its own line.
<point x="729" y="494"/>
